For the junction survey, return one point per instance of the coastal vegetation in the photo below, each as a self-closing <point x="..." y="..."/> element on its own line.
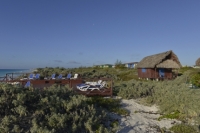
<point x="58" y="108"/>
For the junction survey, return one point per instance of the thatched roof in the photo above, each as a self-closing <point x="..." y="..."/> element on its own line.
<point x="160" y="60"/>
<point x="168" y="64"/>
<point x="198" y="62"/>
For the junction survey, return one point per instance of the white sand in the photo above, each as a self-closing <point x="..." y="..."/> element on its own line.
<point x="141" y="122"/>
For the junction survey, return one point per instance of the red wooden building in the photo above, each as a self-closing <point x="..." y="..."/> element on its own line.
<point x="159" y="66"/>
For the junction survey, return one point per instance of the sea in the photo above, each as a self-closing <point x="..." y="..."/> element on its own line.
<point x="16" y="72"/>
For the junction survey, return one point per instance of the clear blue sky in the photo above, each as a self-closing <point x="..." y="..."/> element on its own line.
<point x="74" y="33"/>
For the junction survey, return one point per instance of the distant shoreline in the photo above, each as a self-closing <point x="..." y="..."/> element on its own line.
<point x="15" y="72"/>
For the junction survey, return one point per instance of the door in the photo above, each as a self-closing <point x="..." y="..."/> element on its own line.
<point x="161" y="72"/>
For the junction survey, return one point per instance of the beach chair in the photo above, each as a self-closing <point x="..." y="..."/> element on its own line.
<point x="83" y="87"/>
<point x="94" y="83"/>
<point x="28" y="84"/>
<point x="75" y="76"/>
<point x="37" y="76"/>
<point x="68" y="76"/>
<point x="88" y="85"/>
<point x="97" y="86"/>
<point x="91" y="87"/>
<point x="60" y="76"/>
<point x="53" y="76"/>
<point x="31" y="76"/>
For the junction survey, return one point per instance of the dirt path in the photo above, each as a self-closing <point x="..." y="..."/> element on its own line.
<point x="142" y="119"/>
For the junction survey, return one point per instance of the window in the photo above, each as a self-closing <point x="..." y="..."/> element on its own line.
<point x="143" y="70"/>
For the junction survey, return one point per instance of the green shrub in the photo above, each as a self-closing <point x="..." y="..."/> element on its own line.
<point x="195" y="79"/>
<point x="135" y="89"/>
<point x="120" y="111"/>
<point x="171" y="96"/>
<point x="183" y="128"/>
<point x="185" y="69"/>
<point x="173" y="115"/>
<point x="56" y="109"/>
<point x="91" y="73"/>
<point x="112" y="105"/>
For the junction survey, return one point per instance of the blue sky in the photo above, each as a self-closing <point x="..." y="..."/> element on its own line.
<point x="74" y="33"/>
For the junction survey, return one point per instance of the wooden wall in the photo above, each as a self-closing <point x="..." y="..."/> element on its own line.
<point x="150" y="73"/>
<point x="153" y="73"/>
<point x="168" y="74"/>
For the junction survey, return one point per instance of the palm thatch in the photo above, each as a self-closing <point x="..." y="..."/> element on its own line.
<point x="198" y="62"/>
<point x="168" y="64"/>
<point x="165" y="60"/>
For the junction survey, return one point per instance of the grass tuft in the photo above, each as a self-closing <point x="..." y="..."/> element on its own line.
<point x="173" y="115"/>
<point x="183" y="128"/>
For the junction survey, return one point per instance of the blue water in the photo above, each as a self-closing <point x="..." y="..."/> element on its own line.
<point x="16" y="72"/>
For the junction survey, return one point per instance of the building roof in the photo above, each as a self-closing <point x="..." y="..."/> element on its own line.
<point x="197" y="62"/>
<point x="168" y="64"/>
<point x="104" y="65"/>
<point x="131" y="63"/>
<point x="160" y="61"/>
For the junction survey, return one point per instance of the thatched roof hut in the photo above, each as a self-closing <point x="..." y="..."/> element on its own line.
<point x="162" y="60"/>
<point x="198" y="62"/>
<point x="159" y="66"/>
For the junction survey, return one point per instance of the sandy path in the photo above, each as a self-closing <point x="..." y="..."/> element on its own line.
<point x="141" y="122"/>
